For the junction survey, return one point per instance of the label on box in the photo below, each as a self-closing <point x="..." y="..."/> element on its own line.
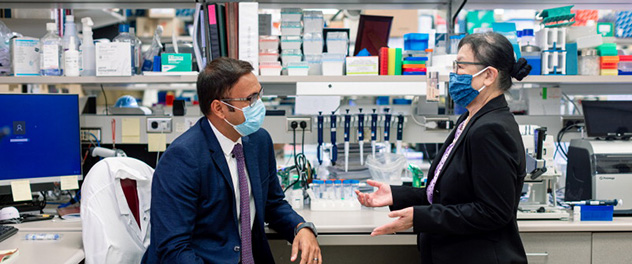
<point x="113" y="59"/>
<point x="176" y="62"/>
<point x="362" y="65"/>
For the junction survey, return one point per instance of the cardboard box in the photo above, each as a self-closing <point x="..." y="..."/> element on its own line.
<point x="176" y="62"/>
<point x="25" y="57"/>
<point x="113" y="59"/>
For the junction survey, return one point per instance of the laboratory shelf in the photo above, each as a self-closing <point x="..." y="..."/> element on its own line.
<point x="578" y="79"/>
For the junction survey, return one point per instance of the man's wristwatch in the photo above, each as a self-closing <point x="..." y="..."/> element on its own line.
<point x="309" y="225"/>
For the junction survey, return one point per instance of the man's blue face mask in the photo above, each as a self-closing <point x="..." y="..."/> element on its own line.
<point x="461" y="89"/>
<point x="254" y="116"/>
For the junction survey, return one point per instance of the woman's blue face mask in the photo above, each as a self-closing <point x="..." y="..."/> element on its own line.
<point x="461" y="89"/>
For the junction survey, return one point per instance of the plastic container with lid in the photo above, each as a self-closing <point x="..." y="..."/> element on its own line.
<point x="291" y="14"/>
<point x="338" y="42"/>
<point x="293" y="55"/>
<point x="415" y="41"/>
<point x="588" y="62"/>
<point x="609" y="62"/>
<point x="625" y="65"/>
<point x="291" y="42"/>
<point x="534" y="58"/>
<point x="612" y="72"/>
<point x="333" y="64"/>
<point x="268" y="56"/>
<point x="315" y="63"/>
<point x="313" y="21"/>
<point x="270" y="68"/>
<point x="297" y="68"/>
<point x="313" y="43"/>
<point x="607" y="49"/>
<point x="291" y="28"/>
<point x="268" y="42"/>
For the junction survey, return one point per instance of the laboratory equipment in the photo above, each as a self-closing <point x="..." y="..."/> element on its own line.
<point x="541" y="179"/>
<point x="88" y="67"/>
<point x="319" y="148"/>
<point x="346" y="136"/>
<point x="387" y="130"/>
<point x="400" y="133"/>
<point x="44" y="145"/>
<point x="600" y="170"/>
<point x="361" y="135"/>
<point x="138" y="52"/>
<point x="387" y="167"/>
<point x="334" y="147"/>
<point x="51" y="51"/>
<point x="374" y="118"/>
<point x="613" y="202"/>
<point x="70" y="30"/>
<point x="71" y="59"/>
<point x="154" y="50"/>
<point x="126" y="37"/>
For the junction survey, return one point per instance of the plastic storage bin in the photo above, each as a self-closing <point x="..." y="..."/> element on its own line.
<point x="313" y="43"/>
<point x="415" y="41"/>
<point x="270" y="68"/>
<point x="588" y="62"/>
<point x="288" y="56"/>
<point x="268" y="43"/>
<point x="387" y="167"/>
<point x="313" y="21"/>
<point x="625" y="65"/>
<point x="268" y="56"/>
<point x="291" y="42"/>
<point x="291" y="28"/>
<point x="291" y="14"/>
<point x="597" y="212"/>
<point x="297" y="68"/>
<point x="338" y="42"/>
<point x="333" y="64"/>
<point x="315" y="63"/>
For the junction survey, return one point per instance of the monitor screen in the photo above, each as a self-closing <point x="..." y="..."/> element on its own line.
<point x="43" y="142"/>
<point x="608" y="118"/>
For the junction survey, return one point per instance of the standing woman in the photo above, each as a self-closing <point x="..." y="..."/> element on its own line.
<point x="467" y="212"/>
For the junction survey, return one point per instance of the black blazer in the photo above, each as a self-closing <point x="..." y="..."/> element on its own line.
<point x="473" y="217"/>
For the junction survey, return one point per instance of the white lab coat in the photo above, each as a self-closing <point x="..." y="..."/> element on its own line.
<point x="110" y="233"/>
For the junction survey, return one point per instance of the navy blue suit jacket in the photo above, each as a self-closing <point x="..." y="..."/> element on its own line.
<point x="193" y="211"/>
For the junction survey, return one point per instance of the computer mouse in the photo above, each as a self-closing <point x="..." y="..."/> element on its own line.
<point x="8" y="213"/>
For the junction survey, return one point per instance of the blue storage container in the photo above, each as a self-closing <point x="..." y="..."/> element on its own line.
<point x="597" y="212"/>
<point x="415" y="41"/>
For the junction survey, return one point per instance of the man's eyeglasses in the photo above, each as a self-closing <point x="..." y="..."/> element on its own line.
<point x="252" y="99"/>
<point x="455" y="64"/>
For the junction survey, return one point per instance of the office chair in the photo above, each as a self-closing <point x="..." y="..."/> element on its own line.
<point x="115" y="213"/>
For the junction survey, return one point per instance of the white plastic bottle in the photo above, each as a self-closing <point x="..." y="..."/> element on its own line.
<point x="71" y="59"/>
<point x="70" y="30"/>
<point x="88" y="60"/>
<point x="137" y="51"/>
<point x="51" y="52"/>
<point x="124" y="36"/>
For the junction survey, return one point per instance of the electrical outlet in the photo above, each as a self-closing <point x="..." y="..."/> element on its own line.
<point x="85" y="134"/>
<point x="159" y="125"/>
<point x="298" y="120"/>
<point x="439" y="123"/>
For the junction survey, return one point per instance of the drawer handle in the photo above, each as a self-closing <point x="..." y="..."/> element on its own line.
<point x="545" y="254"/>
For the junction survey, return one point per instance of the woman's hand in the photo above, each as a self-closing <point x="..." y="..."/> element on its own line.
<point x="382" y="197"/>
<point x="404" y="222"/>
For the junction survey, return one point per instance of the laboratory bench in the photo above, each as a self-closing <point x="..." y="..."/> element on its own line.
<point x="344" y="238"/>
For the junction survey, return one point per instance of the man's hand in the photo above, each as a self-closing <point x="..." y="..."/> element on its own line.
<point x="404" y="222"/>
<point x="381" y="197"/>
<point x="306" y="242"/>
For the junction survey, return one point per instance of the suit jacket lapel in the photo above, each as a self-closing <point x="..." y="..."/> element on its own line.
<point x="251" y="155"/>
<point x="217" y="155"/>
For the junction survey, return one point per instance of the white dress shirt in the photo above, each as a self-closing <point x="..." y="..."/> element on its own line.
<point x="110" y="232"/>
<point x="227" y="147"/>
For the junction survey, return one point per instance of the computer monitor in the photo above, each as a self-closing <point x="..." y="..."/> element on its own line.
<point x="43" y="142"/>
<point x="608" y="118"/>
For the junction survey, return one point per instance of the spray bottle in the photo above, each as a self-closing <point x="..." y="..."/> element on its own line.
<point x="87" y="49"/>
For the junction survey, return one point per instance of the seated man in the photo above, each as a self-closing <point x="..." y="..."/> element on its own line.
<point x="216" y="184"/>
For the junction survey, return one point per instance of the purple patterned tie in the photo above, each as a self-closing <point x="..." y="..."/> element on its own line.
<point x="244" y="207"/>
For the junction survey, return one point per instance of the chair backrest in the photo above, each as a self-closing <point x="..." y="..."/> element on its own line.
<point x="115" y="191"/>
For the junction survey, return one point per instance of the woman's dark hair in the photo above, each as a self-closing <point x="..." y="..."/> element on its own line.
<point x="217" y="78"/>
<point x="493" y="49"/>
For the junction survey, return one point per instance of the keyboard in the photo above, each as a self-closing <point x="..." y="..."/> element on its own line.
<point x="7" y="231"/>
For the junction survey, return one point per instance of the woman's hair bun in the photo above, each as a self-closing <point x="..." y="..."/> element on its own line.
<point x="520" y="69"/>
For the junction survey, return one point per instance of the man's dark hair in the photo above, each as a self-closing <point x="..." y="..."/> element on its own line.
<point x="493" y="49"/>
<point x="217" y="78"/>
